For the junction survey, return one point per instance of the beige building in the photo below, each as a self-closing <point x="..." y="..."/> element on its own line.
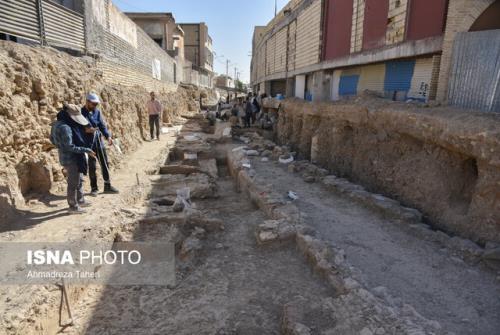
<point x="161" y="27"/>
<point x="198" y="45"/>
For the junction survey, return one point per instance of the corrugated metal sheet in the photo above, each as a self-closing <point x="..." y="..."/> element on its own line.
<point x="375" y="23"/>
<point x="20" y="18"/>
<point x="63" y="27"/>
<point x="280" y="52"/>
<point x="396" y="21"/>
<point x="426" y="18"/>
<point x="358" y="14"/>
<point x="398" y="76"/>
<point x="338" y="25"/>
<point x="372" y="78"/>
<point x="308" y="35"/>
<point x="475" y="74"/>
<point x="348" y="84"/>
<point x="421" y="81"/>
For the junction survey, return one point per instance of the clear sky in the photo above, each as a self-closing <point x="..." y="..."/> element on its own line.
<point x="230" y="24"/>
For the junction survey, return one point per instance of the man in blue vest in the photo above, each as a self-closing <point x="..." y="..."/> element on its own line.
<point x="68" y="135"/>
<point x="96" y="143"/>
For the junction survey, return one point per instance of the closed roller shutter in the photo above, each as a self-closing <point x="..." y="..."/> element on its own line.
<point x="348" y="85"/>
<point x="398" y="77"/>
<point x="20" y="18"/>
<point x="372" y="78"/>
<point x="421" y="81"/>
<point x="278" y="87"/>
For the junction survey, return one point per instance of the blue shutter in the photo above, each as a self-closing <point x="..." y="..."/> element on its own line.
<point x="398" y="75"/>
<point x="348" y="85"/>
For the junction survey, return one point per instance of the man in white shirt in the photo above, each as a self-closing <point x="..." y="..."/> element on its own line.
<point x="154" y="110"/>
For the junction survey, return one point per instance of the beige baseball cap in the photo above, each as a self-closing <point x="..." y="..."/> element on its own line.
<point x="76" y="114"/>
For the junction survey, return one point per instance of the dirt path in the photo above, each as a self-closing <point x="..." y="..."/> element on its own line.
<point x="46" y="219"/>
<point x="463" y="298"/>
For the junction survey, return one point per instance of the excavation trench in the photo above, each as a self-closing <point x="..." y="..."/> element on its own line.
<point x="251" y="261"/>
<point x="226" y="283"/>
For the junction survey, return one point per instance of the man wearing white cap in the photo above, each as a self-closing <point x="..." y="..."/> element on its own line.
<point x="96" y="143"/>
<point x="68" y="135"/>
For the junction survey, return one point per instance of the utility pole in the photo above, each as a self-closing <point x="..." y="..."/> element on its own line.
<point x="235" y="76"/>
<point x="227" y="67"/>
<point x="275" y="7"/>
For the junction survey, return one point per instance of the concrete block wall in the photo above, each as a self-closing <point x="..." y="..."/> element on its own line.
<point x="358" y="18"/>
<point x="396" y="21"/>
<point x="114" y="38"/>
<point x="114" y="73"/>
<point x="436" y="64"/>
<point x="461" y="16"/>
<point x="292" y="45"/>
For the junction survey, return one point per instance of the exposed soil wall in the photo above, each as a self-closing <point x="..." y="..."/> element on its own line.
<point x="441" y="161"/>
<point x="35" y="84"/>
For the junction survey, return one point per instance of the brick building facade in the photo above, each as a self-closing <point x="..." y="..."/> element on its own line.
<point x="330" y="49"/>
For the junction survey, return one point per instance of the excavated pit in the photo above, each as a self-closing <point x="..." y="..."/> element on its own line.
<point x="225" y="281"/>
<point x="251" y="261"/>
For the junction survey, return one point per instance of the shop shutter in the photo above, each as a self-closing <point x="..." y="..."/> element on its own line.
<point x="372" y="78"/>
<point x="421" y="81"/>
<point x="348" y="85"/>
<point x="398" y="76"/>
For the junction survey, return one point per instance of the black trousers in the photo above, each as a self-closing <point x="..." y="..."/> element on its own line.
<point x="103" y="161"/>
<point x="247" y="120"/>
<point x="154" y="121"/>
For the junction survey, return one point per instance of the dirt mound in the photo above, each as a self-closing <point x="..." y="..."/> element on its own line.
<point x="37" y="81"/>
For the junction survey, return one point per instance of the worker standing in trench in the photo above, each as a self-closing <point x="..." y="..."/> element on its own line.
<point x="68" y="135"/>
<point x="95" y="142"/>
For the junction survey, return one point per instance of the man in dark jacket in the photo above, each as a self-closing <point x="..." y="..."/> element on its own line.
<point x="96" y="143"/>
<point x="68" y="135"/>
<point x="248" y="113"/>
